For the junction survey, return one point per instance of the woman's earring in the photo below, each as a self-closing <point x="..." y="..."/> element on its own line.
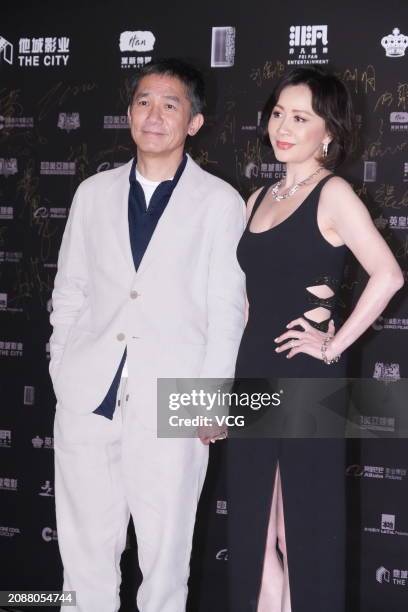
<point x="325" y="146"/>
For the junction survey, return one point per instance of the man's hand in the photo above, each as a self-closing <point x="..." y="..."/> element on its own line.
<point x="211" y="433"/>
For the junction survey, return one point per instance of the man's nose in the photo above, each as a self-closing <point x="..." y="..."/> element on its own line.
<point x="155" y="112"/>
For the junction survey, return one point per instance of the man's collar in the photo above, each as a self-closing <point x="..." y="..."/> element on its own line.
<point x="173" y="181"/>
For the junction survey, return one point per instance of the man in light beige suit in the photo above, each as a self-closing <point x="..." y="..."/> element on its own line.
<point x="148" y="286"/>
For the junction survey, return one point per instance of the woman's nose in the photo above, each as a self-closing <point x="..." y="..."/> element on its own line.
<point x="284" y="127"/>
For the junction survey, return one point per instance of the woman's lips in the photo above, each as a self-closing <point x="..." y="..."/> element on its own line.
<point x="284" y="145"/>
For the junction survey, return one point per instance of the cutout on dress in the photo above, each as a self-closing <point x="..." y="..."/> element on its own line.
<point x="317" y="315"/>
<point x="321" y="291"/>
<point x="322" y="296"/>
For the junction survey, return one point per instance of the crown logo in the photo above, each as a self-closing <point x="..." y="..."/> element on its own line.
<point x="37" y="442"/>
<point x="395" y="44"/>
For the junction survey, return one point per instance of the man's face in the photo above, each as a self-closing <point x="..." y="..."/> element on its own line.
<point x="160" y="115"/>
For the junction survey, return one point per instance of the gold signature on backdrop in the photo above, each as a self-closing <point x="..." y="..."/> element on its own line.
<point x="270" y="70"/>
<point x="60" y="93"/>
<point x="32" y="281"/>
<point x="385" y="196"/>
<point x="359" y="80"/>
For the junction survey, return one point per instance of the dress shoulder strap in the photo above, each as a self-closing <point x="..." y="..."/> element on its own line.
<point x="317" y="190"/>
<point x="257" y="202"/>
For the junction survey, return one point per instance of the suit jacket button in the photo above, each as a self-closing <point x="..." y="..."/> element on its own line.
<point x="121" y="337"/>
<point x="134" y="295"/>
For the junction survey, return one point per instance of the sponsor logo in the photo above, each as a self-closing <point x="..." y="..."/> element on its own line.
<point x="46" y="442"/>
<point x="382" y="575"/>
<point x="5" y="307"/>
<point x="223" y="47"/>
<point x="6" y="50"/>
<point x="375" y="471"/>
<point x="370" y="171"/>
<point x="386" y="371"/>
<point x="5" y="438"/>
<point x="60" y="168"/>
<point x="376" y="423"/>
<point x="222" y="555"/>
<point x="138" y="42"/>
<point x="8" y="166"/>
<point x="399" y="117"/>
<point x="11" y="349"/>
<point x="394" y="222"/>
<point x="390" y="323"/>
<point x="115" y="122"/>
<point x="48" y="534"/>
<point x="107" y="166"/>
<point x="68" y="121"/>
<point x="8" y="484"/>
<point x="8" y="123"/>
<point x="399" y="121"/>
<point x="387" y="527"/>
<point x="10" y="256"/>
<point x="43" y="212"/>
<point x="6" y="212"/>
<point x="48" y="51"/>
<point x="274" y="171"/>
<point x="308" y="44"/>
<point x="9" y="532"/>
<point x="221" y="507"/>
<point x="395" y="43"/>
<point x="46" y="490"/>
<point x="388" y="522"/>
<point x="29" y="395"/>
<point x="399" y="576"/>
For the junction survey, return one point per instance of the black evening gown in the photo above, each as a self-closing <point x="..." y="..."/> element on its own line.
<point x="279" y="264"/>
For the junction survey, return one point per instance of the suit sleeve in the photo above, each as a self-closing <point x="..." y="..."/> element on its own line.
<point x="226" y="291"/>
<point x="71" y="283"/>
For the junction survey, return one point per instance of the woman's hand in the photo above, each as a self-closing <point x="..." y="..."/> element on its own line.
<point x="308" y="341"/>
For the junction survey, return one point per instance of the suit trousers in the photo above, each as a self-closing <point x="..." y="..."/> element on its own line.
<point x="106" y="470"/>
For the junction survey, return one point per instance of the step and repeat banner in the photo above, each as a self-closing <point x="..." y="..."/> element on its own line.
<point x="65" y="75"/>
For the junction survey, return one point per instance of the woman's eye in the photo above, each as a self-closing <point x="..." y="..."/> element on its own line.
<point x="300" y="119"/>
<point x="275" y="114"/>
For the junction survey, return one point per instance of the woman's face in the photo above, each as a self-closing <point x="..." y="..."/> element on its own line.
<point x="295" y="131"/>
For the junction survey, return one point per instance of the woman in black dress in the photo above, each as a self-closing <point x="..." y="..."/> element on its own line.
<point x="288" y="493"/>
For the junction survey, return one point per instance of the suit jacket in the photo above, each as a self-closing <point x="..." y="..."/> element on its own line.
<point x="180" y="315"/>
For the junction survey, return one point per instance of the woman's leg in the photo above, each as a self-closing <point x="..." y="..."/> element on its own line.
<point x="285" y="604"/>
<point x="270" y="596"/>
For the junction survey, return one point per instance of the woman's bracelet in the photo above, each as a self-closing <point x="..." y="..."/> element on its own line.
<point x="325" y="344"/>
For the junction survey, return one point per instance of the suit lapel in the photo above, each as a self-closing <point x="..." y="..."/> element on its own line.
<point x="176" y="210"/>
<point x="119" y="218"/>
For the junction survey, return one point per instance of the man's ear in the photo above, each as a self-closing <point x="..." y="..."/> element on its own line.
<point x="195" y="124"/>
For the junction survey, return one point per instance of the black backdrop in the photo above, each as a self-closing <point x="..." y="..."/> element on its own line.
<point x="63" y="92"/>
